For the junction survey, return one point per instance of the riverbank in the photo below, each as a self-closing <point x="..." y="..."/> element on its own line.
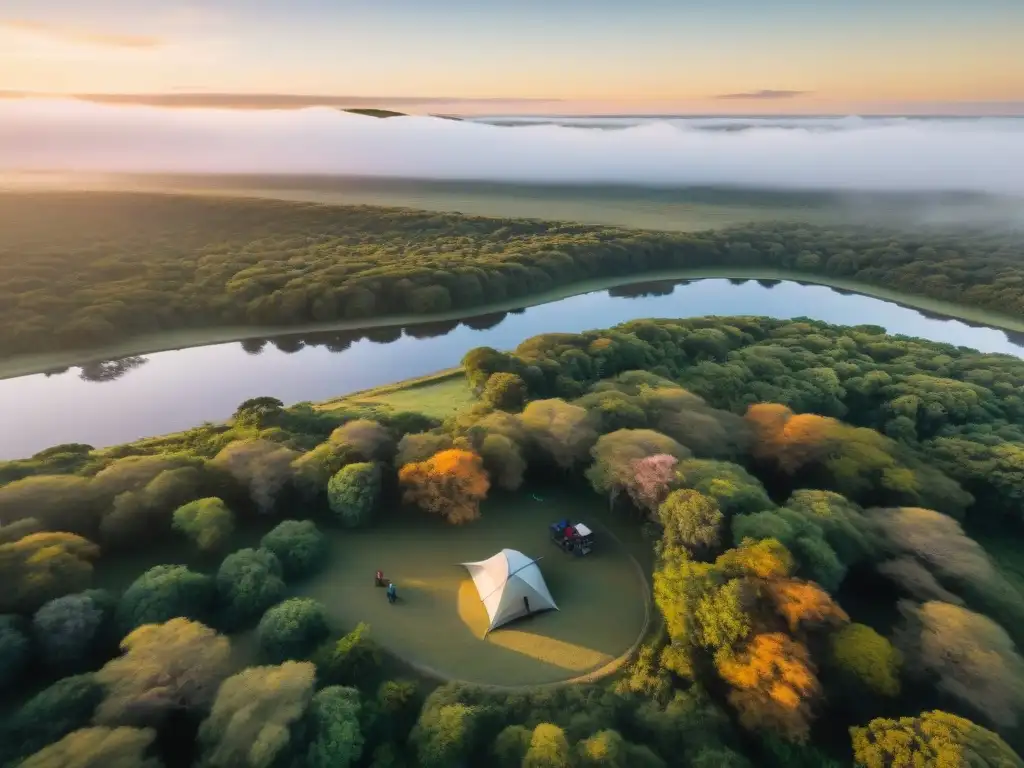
<point x="24" y="365"/>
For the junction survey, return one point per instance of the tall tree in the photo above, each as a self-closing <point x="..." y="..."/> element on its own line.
<point x="171" y="667"/>
<point x="248" y="725"/>
<point x="450" y="484"/>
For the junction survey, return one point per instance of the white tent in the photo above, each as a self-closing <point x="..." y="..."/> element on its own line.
<point x="503" y="582"/>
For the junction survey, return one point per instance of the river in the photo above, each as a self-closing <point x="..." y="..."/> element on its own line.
<point x="169" y="391"/>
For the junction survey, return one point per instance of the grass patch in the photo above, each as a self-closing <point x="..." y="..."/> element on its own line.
<point x="438" y="395"/>
<point x="439" y="623"/>
<point x="438" y="626"/>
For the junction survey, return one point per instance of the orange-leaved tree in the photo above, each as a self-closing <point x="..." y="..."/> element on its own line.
<point x="450" y="483"/>
<point x="805" y="604"/>
<point x="774" y="685"/>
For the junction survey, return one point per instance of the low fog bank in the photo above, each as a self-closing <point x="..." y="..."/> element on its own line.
<point x="938" y="155"/>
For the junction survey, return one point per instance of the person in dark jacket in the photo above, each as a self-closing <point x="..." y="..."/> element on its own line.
<point x="392" y="593"/>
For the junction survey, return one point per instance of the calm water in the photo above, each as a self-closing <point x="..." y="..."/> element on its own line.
<point x="169" y="391"/>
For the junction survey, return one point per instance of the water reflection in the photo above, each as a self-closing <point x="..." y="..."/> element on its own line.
<point x="174" y="390"/>
<point x="110" y="370"/>
<point x="254" y="346"/>
<point x="642" y="290"/>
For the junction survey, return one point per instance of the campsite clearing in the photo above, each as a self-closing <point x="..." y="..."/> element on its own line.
<point x="439" y="623"/>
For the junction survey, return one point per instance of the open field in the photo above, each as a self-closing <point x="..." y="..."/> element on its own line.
<point x="438" y="395"/>
<point x="439" y="622"/>
<point x="667" y="210"/>
<point x="24" y="365"/>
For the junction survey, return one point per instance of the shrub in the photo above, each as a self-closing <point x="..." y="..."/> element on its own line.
<point x="165" y="592"/>
<point x="299" y="545"/>
<point x="353" y="493"/>
<point x="248" y="582"/>
<point x="207" y="522"/>
<point x="292" y="629"/>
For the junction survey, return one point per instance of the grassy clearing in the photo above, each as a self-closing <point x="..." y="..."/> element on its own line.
<point x="438" y="625"/>
<point x="439" y="622"/>
<point x="438" y="395"/>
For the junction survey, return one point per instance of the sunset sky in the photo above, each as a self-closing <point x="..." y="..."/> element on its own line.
<point x="527" y="56"/>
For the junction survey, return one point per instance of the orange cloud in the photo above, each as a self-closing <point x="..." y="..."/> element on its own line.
<point x="78" y="36"/>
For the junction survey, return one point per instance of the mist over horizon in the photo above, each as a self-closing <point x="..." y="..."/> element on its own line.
<point x="842" y="154"/>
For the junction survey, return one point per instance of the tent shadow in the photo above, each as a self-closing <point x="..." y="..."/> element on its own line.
<point x="541" y="636"/>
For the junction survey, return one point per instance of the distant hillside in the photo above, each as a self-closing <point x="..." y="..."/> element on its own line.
<point x="376" y="112"/>
<point x="391" y="113"/>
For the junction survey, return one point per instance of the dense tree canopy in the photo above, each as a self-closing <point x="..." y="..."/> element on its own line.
<point x="210" y="261"/>
<point x="99" y="747"/>
<point x="49" y="716"/>
<point x="934" y="738"/>
<point x="164" y="668"/>
<point x="248" y="726"/>
<point x="42" y="566"/>
<point x="816" y="562"/>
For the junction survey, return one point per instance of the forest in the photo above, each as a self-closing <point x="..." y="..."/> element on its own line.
<point x="813" y="496"/>
<point x="78" y="271"/>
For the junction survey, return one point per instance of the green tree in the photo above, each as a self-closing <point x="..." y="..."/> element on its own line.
<point x="334" y="721"/>
<point x="444" y="736"/>
<point x="933" y="738"/>
<point x="15" y="650"/>
<point x="869" y="658"/>
<point x="42" y="566"/>
<point x="690" y="520"/>
<point x="548" y="748"/>
<point x="49" y="716"/>
<point x="248" y="582"/>
<point x="353" y="493"/>
<point x="258" y="411"/>
<point x="505" y="391"/>
<point x="250" y="721"/>
<point x="98" y="748"/>
<point x="299" y="546"/>
<point x="511" y="745"/>
<point x="69" y="630"/>
<point x="176" y="666"/>
<point x="736" y="490"/>
<point x="292" y="629"/>
<point x="165" y="592"/>
<point x="207" y="522"/>
<point x="802" y="535"/>
<point x="353" y="660"/>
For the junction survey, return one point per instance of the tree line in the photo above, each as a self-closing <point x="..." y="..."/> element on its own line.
<point x="822" y="603"/>
<point x="119" y="265"/>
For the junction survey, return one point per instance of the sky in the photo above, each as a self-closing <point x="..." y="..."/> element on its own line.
<point x="526" y="56"/>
